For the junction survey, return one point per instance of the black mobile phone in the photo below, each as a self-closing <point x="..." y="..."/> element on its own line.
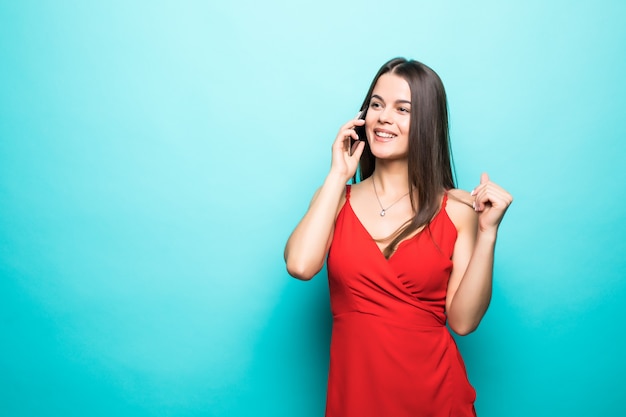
<point x="360" y="130"/>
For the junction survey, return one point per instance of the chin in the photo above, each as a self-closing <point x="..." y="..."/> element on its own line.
<point x="387" y="154"/>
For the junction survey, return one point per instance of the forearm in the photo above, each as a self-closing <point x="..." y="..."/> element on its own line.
<point x="473" y="295"/>
<point x="306" y="248"/>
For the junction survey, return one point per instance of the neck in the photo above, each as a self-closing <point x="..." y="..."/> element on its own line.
<point x="391" y="177"/>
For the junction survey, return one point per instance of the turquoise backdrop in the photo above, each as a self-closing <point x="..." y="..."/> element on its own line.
<point x="155" y="156"/>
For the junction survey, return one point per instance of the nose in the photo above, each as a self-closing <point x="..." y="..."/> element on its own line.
<point x="385" y="115"/>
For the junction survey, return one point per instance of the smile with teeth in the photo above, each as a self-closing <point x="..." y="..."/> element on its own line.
<point x="385" y="135"/>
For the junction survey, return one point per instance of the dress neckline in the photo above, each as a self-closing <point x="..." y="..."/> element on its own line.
<point x="403" y="243"/>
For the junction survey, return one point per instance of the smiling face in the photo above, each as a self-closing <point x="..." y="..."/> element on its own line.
<point x="389" y="117"/>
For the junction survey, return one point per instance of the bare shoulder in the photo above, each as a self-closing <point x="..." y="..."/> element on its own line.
<point x="460" y="209"/>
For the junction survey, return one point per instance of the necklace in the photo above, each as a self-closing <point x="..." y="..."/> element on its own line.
<point x="383" y="210"/>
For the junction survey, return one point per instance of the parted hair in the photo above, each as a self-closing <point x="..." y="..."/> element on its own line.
<point x="429" y="157"/>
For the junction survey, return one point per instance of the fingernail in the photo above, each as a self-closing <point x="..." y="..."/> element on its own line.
<point x="474" y="205"/>
<point x="473" y="192"/>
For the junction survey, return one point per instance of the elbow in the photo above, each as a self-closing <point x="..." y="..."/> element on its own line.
<point x="301" y="271"/>
<point x="463" y="328"/>
<point x="465" y="321"/>
<point x="301" y="265"/>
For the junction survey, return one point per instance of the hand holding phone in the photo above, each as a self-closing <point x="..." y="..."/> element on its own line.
<point x="360" y="130"/>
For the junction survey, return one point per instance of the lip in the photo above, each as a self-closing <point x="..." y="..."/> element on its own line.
<point x="384" y="139"/>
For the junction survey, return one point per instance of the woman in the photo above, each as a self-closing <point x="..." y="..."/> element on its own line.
<point x="406" y="252"/>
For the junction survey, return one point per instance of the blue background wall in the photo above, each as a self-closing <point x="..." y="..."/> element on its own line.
<point x="154" y="158"/>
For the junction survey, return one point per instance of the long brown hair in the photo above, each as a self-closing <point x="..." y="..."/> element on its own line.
<point x="430" y="158"/>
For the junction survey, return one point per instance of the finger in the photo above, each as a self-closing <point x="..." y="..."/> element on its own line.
<point x="486" y="186"/>
<point x="482" y="202"/>
<point x="501" y="191"/>
<point x="352" y="124"/>
<point x="342" y="141"/>
<point x="493" y="197"/>
<point x="489" y="187"/>
<point x="357" y="149"/>
<point x="343" y="136"/>
<point x="494" y="189"/>
<point x="351" y="133"/>
<point x="484" y="180"/>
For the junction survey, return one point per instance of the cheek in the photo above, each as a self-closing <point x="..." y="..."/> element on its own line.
<point x="406" y="125"/>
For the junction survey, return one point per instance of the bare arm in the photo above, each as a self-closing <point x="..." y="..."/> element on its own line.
<point x="308" y="244"/>
<point x="470" y="285"/>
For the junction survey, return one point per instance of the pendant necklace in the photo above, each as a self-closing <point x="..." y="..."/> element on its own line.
<point x="383" y="210"/>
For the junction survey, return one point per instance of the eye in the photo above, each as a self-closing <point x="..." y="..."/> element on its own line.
<point x="404" y="110"/>
<point x="374" y="105"/>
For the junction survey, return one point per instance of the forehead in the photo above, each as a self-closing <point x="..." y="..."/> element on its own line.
<point x="392" y="87"/>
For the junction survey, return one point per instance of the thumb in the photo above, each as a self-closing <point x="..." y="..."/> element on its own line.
<point x="484" y="178"/>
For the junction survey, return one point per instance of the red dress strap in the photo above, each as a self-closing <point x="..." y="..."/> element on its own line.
<point x="348" y="186"/>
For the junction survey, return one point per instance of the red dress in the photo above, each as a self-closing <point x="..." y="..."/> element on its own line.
<point x="391" y="353"/>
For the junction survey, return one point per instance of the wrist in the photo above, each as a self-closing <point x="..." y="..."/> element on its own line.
<point x="487" y="235"/>
<point x="337" y="178"/>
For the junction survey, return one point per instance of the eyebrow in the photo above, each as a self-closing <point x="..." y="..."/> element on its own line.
<point x="397" y="101"/>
